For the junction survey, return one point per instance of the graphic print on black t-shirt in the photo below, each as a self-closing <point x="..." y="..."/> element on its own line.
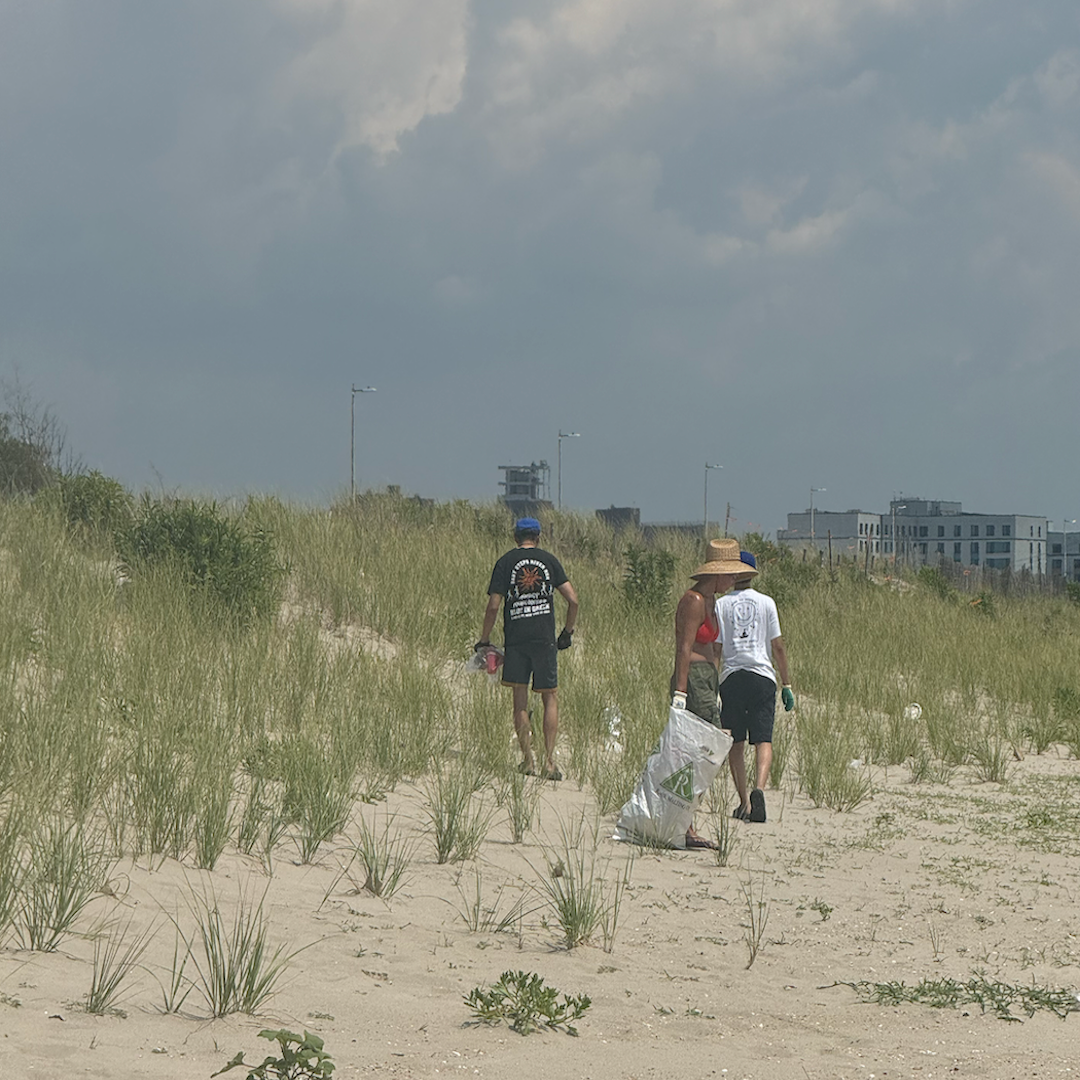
<point x="527" y="578"/>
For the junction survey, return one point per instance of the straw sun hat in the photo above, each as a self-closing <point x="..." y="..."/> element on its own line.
<point x="722" y="557"/>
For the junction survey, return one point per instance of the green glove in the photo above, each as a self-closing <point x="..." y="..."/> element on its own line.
<point x="788" y="698"/>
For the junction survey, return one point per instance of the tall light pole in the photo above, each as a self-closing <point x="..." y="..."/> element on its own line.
<point x="352" y="435"/>
<point x="902" y="506"/>
<point x="706" y="527"/>
<point x="564" y="435"/>
<point x="812" y="490"/>
<point x="1065" y="523"/>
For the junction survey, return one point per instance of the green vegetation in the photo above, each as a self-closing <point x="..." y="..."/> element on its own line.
<point x="298" y="1059"/>
<point x="526" y="1004"/>
<point x="991" y="996"/>
<point x="211" y="702"/>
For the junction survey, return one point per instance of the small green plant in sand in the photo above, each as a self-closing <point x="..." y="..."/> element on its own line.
<point x="823" y="909"/>
<point x="300" y="1058"/>
<point x="235" y="969"/>
<point x="67" y="867"/>
<point x="757" y="915"/>
<point x="580" y="898"/>
<point x="483" y="917"/>
<point x="114" y="961"/>
<point x="385" y="859"/>
<point x="522" y="999"/>
<point x="991" y="996"/>
<point x="458" y="827"/>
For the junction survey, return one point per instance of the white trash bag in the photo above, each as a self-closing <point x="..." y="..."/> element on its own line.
<point x="679" y="771"/>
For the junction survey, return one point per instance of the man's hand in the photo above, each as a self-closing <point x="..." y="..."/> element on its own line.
<point x="788" y="698"/>
<point x="481" y="645"/>
<point x="565" y="639"/>
<point x="678" y="700"/>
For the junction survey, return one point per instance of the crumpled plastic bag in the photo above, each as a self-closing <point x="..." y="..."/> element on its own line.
<point x="489" y="660"/>
<point x="678" y="772"/>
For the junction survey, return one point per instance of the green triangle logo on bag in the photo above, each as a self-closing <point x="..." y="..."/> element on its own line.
<point x="681" y="783"/>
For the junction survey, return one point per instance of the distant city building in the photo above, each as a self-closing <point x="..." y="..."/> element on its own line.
<point x="621" y="517"/>
<point x="526" y="487"/>
<point x="919" y="532"/>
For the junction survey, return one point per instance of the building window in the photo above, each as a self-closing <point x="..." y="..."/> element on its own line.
<point x="956" y="530"/>
<point x="1006" y="530"/>
<point x="956" y="553"/>
<point x="941" y="549"/>
<point x="1040" y="530"/>
<point x="1057" y="566"/>
<point x="922" y="530"/>
<point x="997" y="564"/>
<point x="1031" y="530"/>
<point x="975" y="531"/>
<point x="989" y="530"/>
<point x="922" y="550"/>
<point x="941" y="532"/>
<point x="999" y="547"/>
<point x="974" y="552"/>
<point x="1055" y="549"/>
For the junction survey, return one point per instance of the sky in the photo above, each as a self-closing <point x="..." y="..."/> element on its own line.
<point x="824" y="243"/>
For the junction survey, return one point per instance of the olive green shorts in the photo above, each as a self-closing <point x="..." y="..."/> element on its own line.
<point x="702" y="687"/>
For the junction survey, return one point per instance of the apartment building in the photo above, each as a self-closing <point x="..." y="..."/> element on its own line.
<point x="921" y="532"/>
<point x="848" y="532"/>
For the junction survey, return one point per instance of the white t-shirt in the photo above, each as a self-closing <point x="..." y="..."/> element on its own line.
<point x="748" y="624"/>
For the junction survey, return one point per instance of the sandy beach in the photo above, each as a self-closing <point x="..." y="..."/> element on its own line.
<point x="918" y="883"/>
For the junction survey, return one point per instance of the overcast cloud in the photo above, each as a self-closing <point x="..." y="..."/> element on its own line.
<point x="830" y="243"/>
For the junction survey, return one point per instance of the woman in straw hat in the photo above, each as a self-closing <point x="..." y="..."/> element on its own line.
<point x="695" y="684"/>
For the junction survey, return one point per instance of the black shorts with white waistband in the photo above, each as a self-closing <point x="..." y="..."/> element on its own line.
<point x="748" y="706"/>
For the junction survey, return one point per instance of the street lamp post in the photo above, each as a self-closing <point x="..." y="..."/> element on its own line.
<point x="564" y="435"/>
<point x="706" y="526"/>
<point x="1065" y="523"/>
<point x="352" y="435"/>
<point x="902" y="506"/>
<point x="812" y="490"/>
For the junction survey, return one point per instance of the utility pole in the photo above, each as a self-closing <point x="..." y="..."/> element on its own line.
<point x="352" y="435"/>
<point x="705" y="529"/>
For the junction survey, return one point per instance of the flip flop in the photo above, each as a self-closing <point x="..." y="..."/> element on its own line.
<point x="757" y="805"/>
<point x="740" y="813"/>
<point x="525" y="770"/>
<point x="552" y="774"/>
<point x="700" y="842"/>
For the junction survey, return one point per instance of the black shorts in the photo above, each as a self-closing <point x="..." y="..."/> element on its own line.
<point x="748" y="706"/>
<point x="538" y="659"/>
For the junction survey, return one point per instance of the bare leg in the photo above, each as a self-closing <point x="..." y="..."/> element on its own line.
<point x="763" y="757"/>
<point x="737" y="764"/>
<point x="551" y="726"/>
<point x="522" y="725"/>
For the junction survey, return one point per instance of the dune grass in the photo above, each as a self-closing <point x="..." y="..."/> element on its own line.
<point x="136" y="722"/>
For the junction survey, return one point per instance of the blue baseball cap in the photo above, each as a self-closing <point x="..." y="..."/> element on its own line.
<point x="748" y="558"/>
<point x="526" y="525"/>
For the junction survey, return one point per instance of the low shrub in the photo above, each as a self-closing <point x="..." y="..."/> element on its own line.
<point x="95" y="503"/>
<point x="215" y="554"/>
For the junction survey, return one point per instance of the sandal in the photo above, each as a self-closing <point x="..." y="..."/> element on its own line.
<point x="696" y="841"/>
<point x="740" y="813"/>
<point x="757" y="805"/>
<point x="551" y="774"/>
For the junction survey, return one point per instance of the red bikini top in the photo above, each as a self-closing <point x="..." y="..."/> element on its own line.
<point x="706" y="633"/>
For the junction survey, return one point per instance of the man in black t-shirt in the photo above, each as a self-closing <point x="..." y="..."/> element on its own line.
<point x="524" y="582"/>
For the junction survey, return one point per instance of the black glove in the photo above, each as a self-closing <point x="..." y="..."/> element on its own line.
<point x="481" y="645"/>
<point x="565" y="639"/>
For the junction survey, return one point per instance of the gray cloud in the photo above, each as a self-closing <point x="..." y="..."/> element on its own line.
<point x="830" y="244"/>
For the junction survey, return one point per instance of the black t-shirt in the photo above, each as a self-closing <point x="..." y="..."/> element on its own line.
<point x="527" y="579"/>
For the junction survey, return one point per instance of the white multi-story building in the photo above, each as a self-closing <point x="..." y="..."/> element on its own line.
<point x="847" y="533"/>
<point x="920" y="532"/>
